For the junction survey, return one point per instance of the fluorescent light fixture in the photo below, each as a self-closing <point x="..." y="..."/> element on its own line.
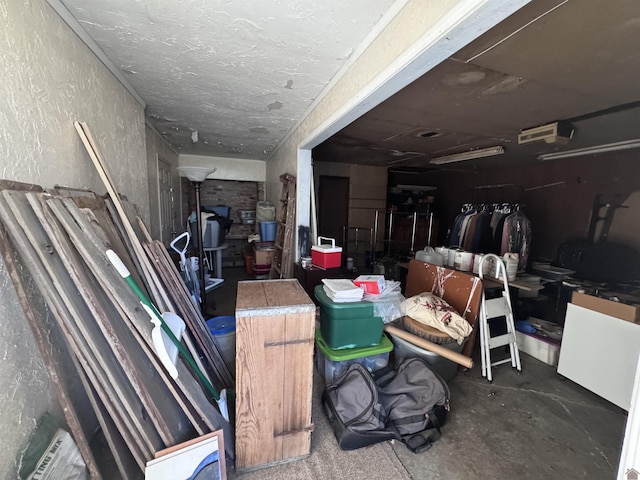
<point x="609" y="147"/>
<point x="470" y="155"/>
<point x="416" y="188"/>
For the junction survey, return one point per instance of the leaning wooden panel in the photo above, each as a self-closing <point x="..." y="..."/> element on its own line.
<point x="52" y="285"/>
<point x="122" y="456"/>
<point x="57" y="358"/>
<point x="101" y="326"/>
<point x="92" y="251"/>
<point x="274" y="372"/>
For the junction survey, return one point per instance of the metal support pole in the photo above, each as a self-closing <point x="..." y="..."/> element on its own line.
<point x="203" y="290"/>
<point x="374" y="239"/>
<point x="390" y="232"/>
<point x="413" y="233"/>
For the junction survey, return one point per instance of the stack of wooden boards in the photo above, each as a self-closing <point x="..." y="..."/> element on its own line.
<point x="92" y="332"/>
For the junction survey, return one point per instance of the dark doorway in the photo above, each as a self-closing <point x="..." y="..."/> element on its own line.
<point x="333" y="206"/>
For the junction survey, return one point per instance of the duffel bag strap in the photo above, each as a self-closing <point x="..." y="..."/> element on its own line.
<point x="421" y="441"/>
<point x="383" y="376"/>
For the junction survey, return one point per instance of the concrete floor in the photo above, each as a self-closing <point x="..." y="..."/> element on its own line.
<point x="533" y="425"/>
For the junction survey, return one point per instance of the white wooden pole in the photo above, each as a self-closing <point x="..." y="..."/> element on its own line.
<point x="630" y="457"/>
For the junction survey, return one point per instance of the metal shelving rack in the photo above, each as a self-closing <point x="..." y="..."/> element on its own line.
<point x="391" y="215"/>
<point x="356" y="237"/>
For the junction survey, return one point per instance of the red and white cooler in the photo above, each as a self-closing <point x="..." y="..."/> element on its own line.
<point x="326" y="255"/>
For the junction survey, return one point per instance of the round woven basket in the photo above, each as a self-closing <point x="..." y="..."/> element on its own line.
<point x="425" y="331"/>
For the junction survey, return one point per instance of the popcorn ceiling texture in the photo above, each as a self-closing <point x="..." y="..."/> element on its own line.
<point x="241" y="73"/>
<point x="49" y="79"/>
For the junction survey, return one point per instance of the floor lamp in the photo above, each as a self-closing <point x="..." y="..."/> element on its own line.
<point x="197" y="175"/>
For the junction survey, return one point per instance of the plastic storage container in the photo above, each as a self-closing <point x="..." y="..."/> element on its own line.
<point x="223" y="332"/>
<point x="330" y="363"/>
<point x="222" y="210"/>
<point x="247" y="216"/>
<point x="213" y="235"/>
<point x="261" y="272"/>
<point x="347" y="325"/>
<point x="445" y="368"/>
<point x="267" y="231"/>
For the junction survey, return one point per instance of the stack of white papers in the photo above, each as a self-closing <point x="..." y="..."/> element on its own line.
<point x="342" y="290"/>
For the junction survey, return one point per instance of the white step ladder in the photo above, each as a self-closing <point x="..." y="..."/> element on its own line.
<point x="495" y="308"/>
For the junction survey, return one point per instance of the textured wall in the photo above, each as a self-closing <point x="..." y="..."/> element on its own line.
<point x="48" y="79"/>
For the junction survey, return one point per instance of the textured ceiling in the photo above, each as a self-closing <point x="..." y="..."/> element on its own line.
<point x="228" y="78"/>
<point x="231" y="78"/>
<point x="551" y="60"/>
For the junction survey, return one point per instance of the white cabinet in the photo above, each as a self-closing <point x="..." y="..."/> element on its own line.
<point x="600" y="353"/>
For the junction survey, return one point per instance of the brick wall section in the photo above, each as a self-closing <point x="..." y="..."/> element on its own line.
<point x="235" y="194"/>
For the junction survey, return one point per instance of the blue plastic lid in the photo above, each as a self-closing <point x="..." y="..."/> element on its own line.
<point x="221" y="325"/>
<point x="525" y="326"/>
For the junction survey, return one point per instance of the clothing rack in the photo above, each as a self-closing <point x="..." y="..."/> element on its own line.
<point x="480" y="228"/>
<point x="503" y="207"/>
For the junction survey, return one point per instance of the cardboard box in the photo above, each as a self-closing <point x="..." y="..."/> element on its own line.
<point x="623" y="311"/>
<point x="371" y="283"/>
<point x="263" y="253"/>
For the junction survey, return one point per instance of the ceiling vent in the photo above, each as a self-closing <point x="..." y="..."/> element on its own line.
<point x="558" y="133"/>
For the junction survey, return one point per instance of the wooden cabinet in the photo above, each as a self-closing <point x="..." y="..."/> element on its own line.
<point x="275" y="322"/>
<point x="312" y="276"/>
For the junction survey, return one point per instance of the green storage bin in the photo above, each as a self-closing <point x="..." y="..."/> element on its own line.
<point x="341" y="311"/>
<point x="331" y="363"/>
<point x="348" y="325"/>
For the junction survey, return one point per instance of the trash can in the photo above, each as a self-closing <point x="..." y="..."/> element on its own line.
<point x="267" y="231"/>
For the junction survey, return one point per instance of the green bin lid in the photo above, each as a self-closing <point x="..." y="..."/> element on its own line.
<point x="384" y="346"/>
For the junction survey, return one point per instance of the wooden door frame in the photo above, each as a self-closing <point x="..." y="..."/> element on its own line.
<point x="169" y="167"/>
